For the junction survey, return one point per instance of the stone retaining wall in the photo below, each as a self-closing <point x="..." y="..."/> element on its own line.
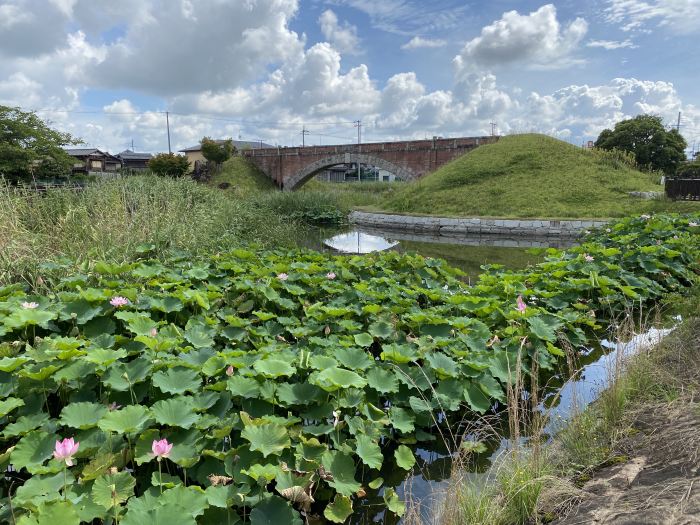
<point x="446" y="225"/>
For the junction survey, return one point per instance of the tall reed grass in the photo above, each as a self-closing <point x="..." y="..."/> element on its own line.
<point x="111" y="220"/>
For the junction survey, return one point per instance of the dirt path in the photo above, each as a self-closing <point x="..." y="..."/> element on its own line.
<point x="660" y="484"/>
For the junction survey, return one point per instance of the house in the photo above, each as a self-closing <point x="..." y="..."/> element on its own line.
<point x="91" y="160"/>
<point x="194" y="153"/>
<point x="134" y="161"/>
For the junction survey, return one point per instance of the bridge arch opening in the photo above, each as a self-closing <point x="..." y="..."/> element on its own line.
<point x="308" y="172"/>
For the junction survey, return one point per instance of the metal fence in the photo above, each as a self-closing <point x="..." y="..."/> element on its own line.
<point x="683" y="189"/>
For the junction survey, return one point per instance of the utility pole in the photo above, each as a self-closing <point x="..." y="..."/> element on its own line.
<point x="304" y="132"/>
<point x="167" y="123"/>
<point x="493" y="129"/>
<point x="359" y="141"/>
<point x="678" y="126"/>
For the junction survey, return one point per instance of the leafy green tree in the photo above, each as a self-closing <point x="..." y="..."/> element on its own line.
<point x="169" y="165"/>
<point x="217" y="152"/>
<point x="645" y="137"/>
<point x="30" y="148"/>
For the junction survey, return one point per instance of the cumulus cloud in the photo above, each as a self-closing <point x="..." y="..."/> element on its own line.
<point x="612" y="44"/>
<point x="418" y="42"/>
<point x="536" y="39"/>
<point x="26" y="31"/>
<point x="681" y="16"/>
<point x="343" y="36"/>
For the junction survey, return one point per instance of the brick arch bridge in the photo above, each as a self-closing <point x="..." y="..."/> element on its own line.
<point x="290" y="168"/>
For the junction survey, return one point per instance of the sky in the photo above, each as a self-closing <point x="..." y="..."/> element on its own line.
<point x="108" y="71"/>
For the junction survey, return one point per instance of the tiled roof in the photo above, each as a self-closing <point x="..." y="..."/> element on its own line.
<point x="132" y="155"/>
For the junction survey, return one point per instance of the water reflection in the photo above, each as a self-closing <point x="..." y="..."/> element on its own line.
<point x="359" y="242"/>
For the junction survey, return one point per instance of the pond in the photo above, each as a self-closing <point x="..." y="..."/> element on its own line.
<point x="466" y="253"/>
<point x="564" y="396"/>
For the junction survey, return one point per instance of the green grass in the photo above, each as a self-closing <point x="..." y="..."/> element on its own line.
<point x="532" y="176"/>
<point x="354" y="194"/>
<point x="242" y="177"/>
<point x="110" y="220"/>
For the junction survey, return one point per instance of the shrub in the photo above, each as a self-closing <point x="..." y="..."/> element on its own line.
<point x="217" y="152"/>
<point x="169" y="164"/>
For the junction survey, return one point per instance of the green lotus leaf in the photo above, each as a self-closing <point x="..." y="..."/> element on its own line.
<point x="245" y="387"/>
<point x="200" y="336"/>
<point x="9" y="404"/>
<point x="175" y="412"/>
<point x="381" y="329"/>
<point x="63" y="512"/>
<point x="141" y="325"/>
<point x="376" y="483"/>
<point x="160" y="515"/>
<point x="82" y="415"/>
<point x="545" y="327"/>
<point x="40" y="489"/>
<point x="298" y="393"/>
<point x="369" y="452"/>
<point x="10" y="364"/>
<point x="38" y="372"/>
<point x="334" y="378"/>
<point x="399" y="354"/>
<point x="128" y="420"/>
<point x="177" y="380"/>
<point x="404" y="457"/>
<point x="321" y="362"/>
<point x="192" y="498"/>
<point x="123" y="376"/>
<point x="354" y="358"/>
<point x="393" y="503"/>
<point x="104" y="356"/>
<point x="113" y="489"/>
<point x="402" y="419"/>
<point x="274" y="511"/>
<point x="268" y="438"/>
<point x="339" y="510"/>
<point x="81" y="311"/>
<point x="477" y="400"/>
<point x="341" y="466"/>
<point x="266" y="472"/>
<point x="33" y="450"/>
<point x="382" y="380"/>
<point x="26" y="424"/>
<point x="274" y="368"/>
<point x="364" y="339"/>
<point x="443" y="365"/>
<point x="23" y="317"/>
<point x="220" y="496"/>
<point x="143" y="452"/>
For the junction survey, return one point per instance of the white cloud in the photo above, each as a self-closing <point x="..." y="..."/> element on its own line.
<point x="536" y="39"/>
<point x="612" y="44"/>
<point x="26" y="31"/>
<point x="679" y="16"/>
<point x="418" y="42"/>
<point x="343" y="37"/>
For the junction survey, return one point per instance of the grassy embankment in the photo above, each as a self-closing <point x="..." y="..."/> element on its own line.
<point x="532" y="176"/>
<point x="542" y="481"/>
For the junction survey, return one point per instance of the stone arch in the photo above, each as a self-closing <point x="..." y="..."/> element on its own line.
<point x="299" y="178"/>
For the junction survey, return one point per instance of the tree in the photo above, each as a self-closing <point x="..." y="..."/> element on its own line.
<point x="169" y="164"/>
<point x="30" y="148"/>
<point x="217" y="152"/>
<point x="646" y="138"/>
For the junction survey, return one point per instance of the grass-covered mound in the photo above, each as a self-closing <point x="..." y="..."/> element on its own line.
<point x="241" y="177"/>
<point x="286" y="382"/>
<point x="532" y="176"/>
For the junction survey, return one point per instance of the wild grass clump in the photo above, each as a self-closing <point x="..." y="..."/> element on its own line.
<point x="113" y="220"/>
<point x="312" y="207"/>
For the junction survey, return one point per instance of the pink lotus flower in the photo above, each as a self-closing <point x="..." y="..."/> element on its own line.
<point x="282" y="276"/>
<point x="154" y="332"/>
<point x="229" y="370"/>
<point x="30" y="306"/>
<point x="589" y="258"/>
<point x="330" y="276"/>
<point x="119" y="301"/>
<point x="521" y="304"/>
<point x="161" y="449"/>
<point x="65" y="450"/>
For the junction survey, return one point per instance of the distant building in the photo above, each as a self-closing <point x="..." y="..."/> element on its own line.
<point x="134" y="161"/>
<point x="348" y="173"/>
<point x="93" y="160"/>
<point x="194" y="153"/>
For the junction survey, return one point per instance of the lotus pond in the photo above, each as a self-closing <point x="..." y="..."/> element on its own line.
<point x="292" y="385"/>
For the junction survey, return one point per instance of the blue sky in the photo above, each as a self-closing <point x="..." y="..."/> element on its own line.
<point x="263" y="69"/>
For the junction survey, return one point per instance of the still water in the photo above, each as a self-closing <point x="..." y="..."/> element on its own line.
<point x="564" y="396"/>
